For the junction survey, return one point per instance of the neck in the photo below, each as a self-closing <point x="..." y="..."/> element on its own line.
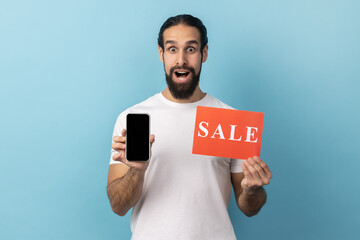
<point x="197" y="95"/>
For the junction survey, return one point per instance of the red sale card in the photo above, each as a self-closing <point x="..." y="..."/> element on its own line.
<point x="227" y="132"/>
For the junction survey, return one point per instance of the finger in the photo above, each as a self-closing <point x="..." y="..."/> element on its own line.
<point x="119" y="139"/>
<point x="152" y="138"/>
<point x="118" y="146"/>
<point x="123" y="132"/>
<point x="264" y="166"/>
<point x="258" y="175"/>
<point x="246" y="170"/>
<point x="122" y="158"/>
<point x="254" y="173"/>
<point x="117" y="156"/>
<point x="258" y="168"/>
<point x="265" y="177"/>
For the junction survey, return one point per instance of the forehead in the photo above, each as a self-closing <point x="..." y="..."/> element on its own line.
<point x="181" y="33"/>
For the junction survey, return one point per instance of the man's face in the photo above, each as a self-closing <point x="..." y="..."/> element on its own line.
<point x="182" y="59"/>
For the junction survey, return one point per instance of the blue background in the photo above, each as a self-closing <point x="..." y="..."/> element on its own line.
<point x="68" y="68"/>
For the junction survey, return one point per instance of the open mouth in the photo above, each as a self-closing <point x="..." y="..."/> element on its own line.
<point x="182" y="74"/>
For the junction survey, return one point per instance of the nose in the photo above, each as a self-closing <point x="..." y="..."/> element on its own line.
<point x="181" y="59"/>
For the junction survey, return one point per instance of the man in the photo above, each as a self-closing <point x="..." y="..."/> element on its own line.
<point x="177" y="194"/>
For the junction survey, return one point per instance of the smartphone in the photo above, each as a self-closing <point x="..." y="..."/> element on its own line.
<point x="137" y="137"/>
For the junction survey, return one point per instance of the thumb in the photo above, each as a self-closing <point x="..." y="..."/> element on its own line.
<point x="152" y="138"/>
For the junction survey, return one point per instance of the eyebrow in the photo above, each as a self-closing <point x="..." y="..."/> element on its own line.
<point x="188" y="42"/>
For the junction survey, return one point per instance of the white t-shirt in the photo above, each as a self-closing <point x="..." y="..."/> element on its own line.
<point x="185" y="196"/>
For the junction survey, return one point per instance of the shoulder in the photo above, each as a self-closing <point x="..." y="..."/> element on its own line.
<point x="144" y="106"/>
<point x="215" y="102"/>
<point x="147" y="104"/>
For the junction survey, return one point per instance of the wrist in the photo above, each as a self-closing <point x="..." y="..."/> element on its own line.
<point x="138" y="171"/>
<point x="253" y="191"/>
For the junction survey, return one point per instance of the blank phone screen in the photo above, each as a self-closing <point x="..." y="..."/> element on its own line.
<point x="137" y="137"/>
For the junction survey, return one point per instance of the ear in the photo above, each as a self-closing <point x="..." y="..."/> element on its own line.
<point x="205" y="53"/>
<point x="161" y="52"/>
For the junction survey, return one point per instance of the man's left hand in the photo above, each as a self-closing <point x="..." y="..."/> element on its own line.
<point x="256" y="174"/>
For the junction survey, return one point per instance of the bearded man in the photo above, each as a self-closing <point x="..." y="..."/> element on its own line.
<point x="177" y="194"/>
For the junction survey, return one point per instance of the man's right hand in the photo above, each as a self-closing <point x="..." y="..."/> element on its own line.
<point x="119" y="146"/>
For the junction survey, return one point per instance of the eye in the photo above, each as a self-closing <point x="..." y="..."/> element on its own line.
<point x="191" y="49"/>
<point x="172" y="49"/>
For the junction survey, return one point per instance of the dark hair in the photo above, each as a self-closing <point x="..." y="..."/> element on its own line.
<point x="187" y="20"/>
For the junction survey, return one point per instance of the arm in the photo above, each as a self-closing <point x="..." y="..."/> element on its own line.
<point x="125" y="181"/>
<point x="124" y="190"/>
<point x="248" y="186"/>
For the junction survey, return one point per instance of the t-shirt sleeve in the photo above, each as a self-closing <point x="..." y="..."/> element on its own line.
<point x="119" y="126"/>
<point x="235" y="165"/>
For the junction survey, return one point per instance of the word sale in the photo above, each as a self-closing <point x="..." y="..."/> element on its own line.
<point x="219" y="133"/>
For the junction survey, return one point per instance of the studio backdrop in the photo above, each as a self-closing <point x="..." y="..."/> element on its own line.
<point x="68" y="68"/>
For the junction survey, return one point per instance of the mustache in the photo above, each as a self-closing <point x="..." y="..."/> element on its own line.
<point x="192" y="70"/>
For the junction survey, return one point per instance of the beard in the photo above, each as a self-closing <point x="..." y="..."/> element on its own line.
<point x="182" y="90"/>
